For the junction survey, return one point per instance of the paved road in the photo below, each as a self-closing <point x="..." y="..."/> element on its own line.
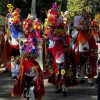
<point x="81" y="92"/>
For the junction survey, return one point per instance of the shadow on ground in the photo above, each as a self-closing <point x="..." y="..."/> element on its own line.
<point x="81" y="92"/>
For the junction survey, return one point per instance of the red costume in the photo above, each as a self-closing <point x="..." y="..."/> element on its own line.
<point x="92" y="58"/>
<point x="82" y="48"/>
<point x="20" y="82"/>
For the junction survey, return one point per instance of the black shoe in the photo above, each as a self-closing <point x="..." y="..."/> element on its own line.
<point x="81" y="81"/>
<point x="91" y="84"/>
<point x="59" y="91"/>
<point x="64" y="93"/>
<point x="14" y="77"/>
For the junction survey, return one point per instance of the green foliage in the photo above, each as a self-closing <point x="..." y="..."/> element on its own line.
<point x="75" y="6"/>
<point x="94" y="6"/>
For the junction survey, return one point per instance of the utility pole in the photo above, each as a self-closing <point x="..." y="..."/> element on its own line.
<point x="33" y="8"/>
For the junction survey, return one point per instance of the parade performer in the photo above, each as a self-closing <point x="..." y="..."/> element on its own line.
<point x="95" y="48"/>
<point x="37" y="74"/>
<point x="95" y="29"/>
<point x="13" y="28"/>
<point x="58" y="43"/>
<point x="82" y="47"/>
<point x="57" y="56"/>
<point x="5" y="48"/>
<point x="3" y="55"/>
<point x="30" y="72"/>
<point x="14" y="66"/>
<point x="92" y="70"/>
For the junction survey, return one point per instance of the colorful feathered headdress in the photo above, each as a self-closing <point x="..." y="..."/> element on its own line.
<point x="52" y="16"/>
<point x="14" y="24"/>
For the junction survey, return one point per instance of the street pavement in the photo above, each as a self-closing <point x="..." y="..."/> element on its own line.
<point x="80" y="92"/>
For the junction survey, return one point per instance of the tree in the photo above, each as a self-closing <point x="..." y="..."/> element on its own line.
<point x="75" y="6"/>
<point x="94" y="7"/>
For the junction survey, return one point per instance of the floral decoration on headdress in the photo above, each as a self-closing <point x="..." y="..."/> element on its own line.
<point x="13" y="23"/>
<point x="52" y="16"/>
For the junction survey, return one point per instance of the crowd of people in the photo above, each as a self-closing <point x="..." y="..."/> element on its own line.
<point x="49" y="50"/>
